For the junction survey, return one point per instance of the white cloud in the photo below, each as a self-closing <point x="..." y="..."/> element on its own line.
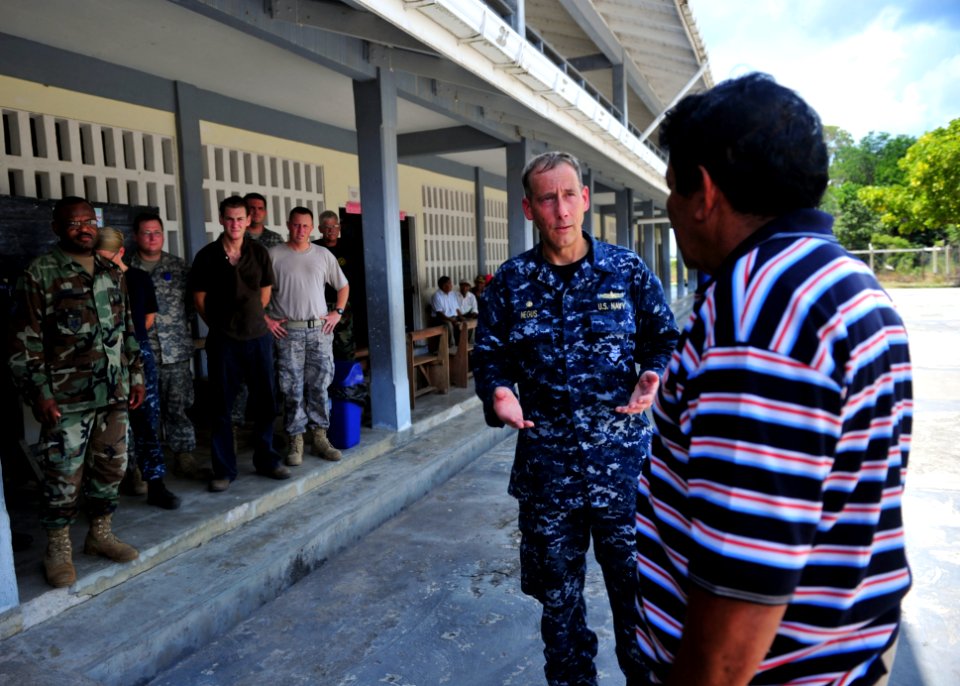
<point x="866" y="69"/>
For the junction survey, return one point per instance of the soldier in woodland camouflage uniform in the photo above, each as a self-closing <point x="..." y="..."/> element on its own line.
<point x="568" y="322"/>
<point x="76" y="360"/>
<point x="171" y="340"/>
<point x="303" y="329"/>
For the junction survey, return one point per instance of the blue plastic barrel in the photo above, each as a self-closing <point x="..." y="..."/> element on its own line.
<point x="344" y="431"/>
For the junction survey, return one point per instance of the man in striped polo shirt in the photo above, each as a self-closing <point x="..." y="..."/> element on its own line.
<point x="769" y="527"/>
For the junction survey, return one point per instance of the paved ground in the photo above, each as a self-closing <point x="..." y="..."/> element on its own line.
<point x="433" y="596"/>
<point x="931" y="654"/>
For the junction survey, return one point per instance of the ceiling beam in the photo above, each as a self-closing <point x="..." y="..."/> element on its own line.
<point x="589" y="62"/>
<point x="337" y="17"/>
<point x="587" y="17"/>
<point x="443" y="141"/>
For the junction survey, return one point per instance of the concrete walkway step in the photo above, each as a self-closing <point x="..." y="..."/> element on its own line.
<point x="190" y="586"/>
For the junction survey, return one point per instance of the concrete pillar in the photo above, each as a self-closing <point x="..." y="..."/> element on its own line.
<point x="9" y="597"/>
<point x="480" y="213"/>
<point x="519" y="229"/>
<point x="588" y="215"/>
<point x="375" y="104"/>
<point x="663" y="270"/>
<point x="192" y="222"/>
<point x="649" y="246"/>
<point x="190" y="158"/>
<point x="518" y="18"/>
<point x="681" y="276"/>
<point x="620" y="92"/>
<point x="624" y="210"/>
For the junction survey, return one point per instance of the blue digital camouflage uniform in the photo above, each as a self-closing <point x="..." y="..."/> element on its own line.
<point x="172" y="343"/>
<point x="75" y="344"/>
<point x="573" y="351"/>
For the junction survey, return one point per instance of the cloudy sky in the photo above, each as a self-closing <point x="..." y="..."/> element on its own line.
<point x="864" y="65"/>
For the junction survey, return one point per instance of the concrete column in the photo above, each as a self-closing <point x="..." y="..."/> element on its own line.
<point x="624" y="210"/>
<point x="518" y="18"/>
<point x="588" y="215"/>
<point x="480" y="213"/>
<point x="519" y="229"/>
<point x="190" y="158"/>
<point x="9" y="596"/>
<point x="681" y="276"/>
<point x="375" y="104"/>
<point x="649" y="246"/>
<point x="663" y="270"/>
<point x="620" y="92"/>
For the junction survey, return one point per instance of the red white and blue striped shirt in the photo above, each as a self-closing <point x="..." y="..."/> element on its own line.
<point x="777" y="470"/>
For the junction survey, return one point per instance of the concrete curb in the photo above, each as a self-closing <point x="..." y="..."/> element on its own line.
<point x="216" y="578"/>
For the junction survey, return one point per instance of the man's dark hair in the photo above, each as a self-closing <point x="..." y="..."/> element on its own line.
<point x="545" y="162"/>
<point x="146" y="217"/>
<point x="255" y="196"/>
<point x="761" y="143"/>
<point x="442" y="281"/>
<point x="300" y="210"/>
<point x="232" y="201"/>
<point x="63" y="203"/>
<point x="328" y="214"/>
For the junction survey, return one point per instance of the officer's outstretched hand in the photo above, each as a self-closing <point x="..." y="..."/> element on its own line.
<point x="507" y="408"/>
<point x="643" y="394"/>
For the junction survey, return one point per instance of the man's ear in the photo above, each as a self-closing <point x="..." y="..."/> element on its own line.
<point x="527" y="212"/>
<point x="711" y="194"/>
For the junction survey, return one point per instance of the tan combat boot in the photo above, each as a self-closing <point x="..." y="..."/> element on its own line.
<point x="58" y="562"/>
<point x="322" y="447"/>
<point x="295" y="450"/>
<point x="102" y="541"/>
<point x="187" y="465"/>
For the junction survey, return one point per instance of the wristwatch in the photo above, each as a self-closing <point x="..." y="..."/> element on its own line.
<point x="338" y="310"/>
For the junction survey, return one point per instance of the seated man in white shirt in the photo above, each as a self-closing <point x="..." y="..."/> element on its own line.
<point x="467" y="301"/>
<point x="445" y="307"/>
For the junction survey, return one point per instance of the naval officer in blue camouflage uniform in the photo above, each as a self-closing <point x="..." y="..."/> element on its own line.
<point x="583" y="330"/>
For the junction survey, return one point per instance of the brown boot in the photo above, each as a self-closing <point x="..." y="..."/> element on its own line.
<point x="187" y="465"/>
<point x="322" y="447"/>
<point x="58" y="562"/>
<point x="102" y="541"/>
<point x="133" y="483"/>
<point x="295" y="450"/>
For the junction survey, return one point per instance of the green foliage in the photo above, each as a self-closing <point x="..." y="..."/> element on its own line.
<point x="932" y="180"/>
<point x="855" y="221"/>
<point x="871" y="162"/>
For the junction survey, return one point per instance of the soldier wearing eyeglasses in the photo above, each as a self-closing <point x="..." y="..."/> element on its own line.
<point x="171" y="341"/>
<point x="76" y="361"/>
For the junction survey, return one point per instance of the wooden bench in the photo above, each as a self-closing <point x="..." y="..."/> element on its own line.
<point x="432" y="367"/>
<point x="460" y="358"/>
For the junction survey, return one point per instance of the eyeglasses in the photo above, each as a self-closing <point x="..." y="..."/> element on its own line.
<point x="77" y="223"/>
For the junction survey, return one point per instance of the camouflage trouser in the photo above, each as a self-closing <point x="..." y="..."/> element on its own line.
<point x="553" y="551"/>
<point x="145" y="422"/>
<point x="176" y="397"/>
<point x="86" y="452"/>
<point x="305" y="359"/>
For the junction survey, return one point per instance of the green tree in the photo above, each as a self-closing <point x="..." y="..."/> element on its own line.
<point x="871" y="162"/>
<point x="932" y="170"/>
<point x="924" y="201"/>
